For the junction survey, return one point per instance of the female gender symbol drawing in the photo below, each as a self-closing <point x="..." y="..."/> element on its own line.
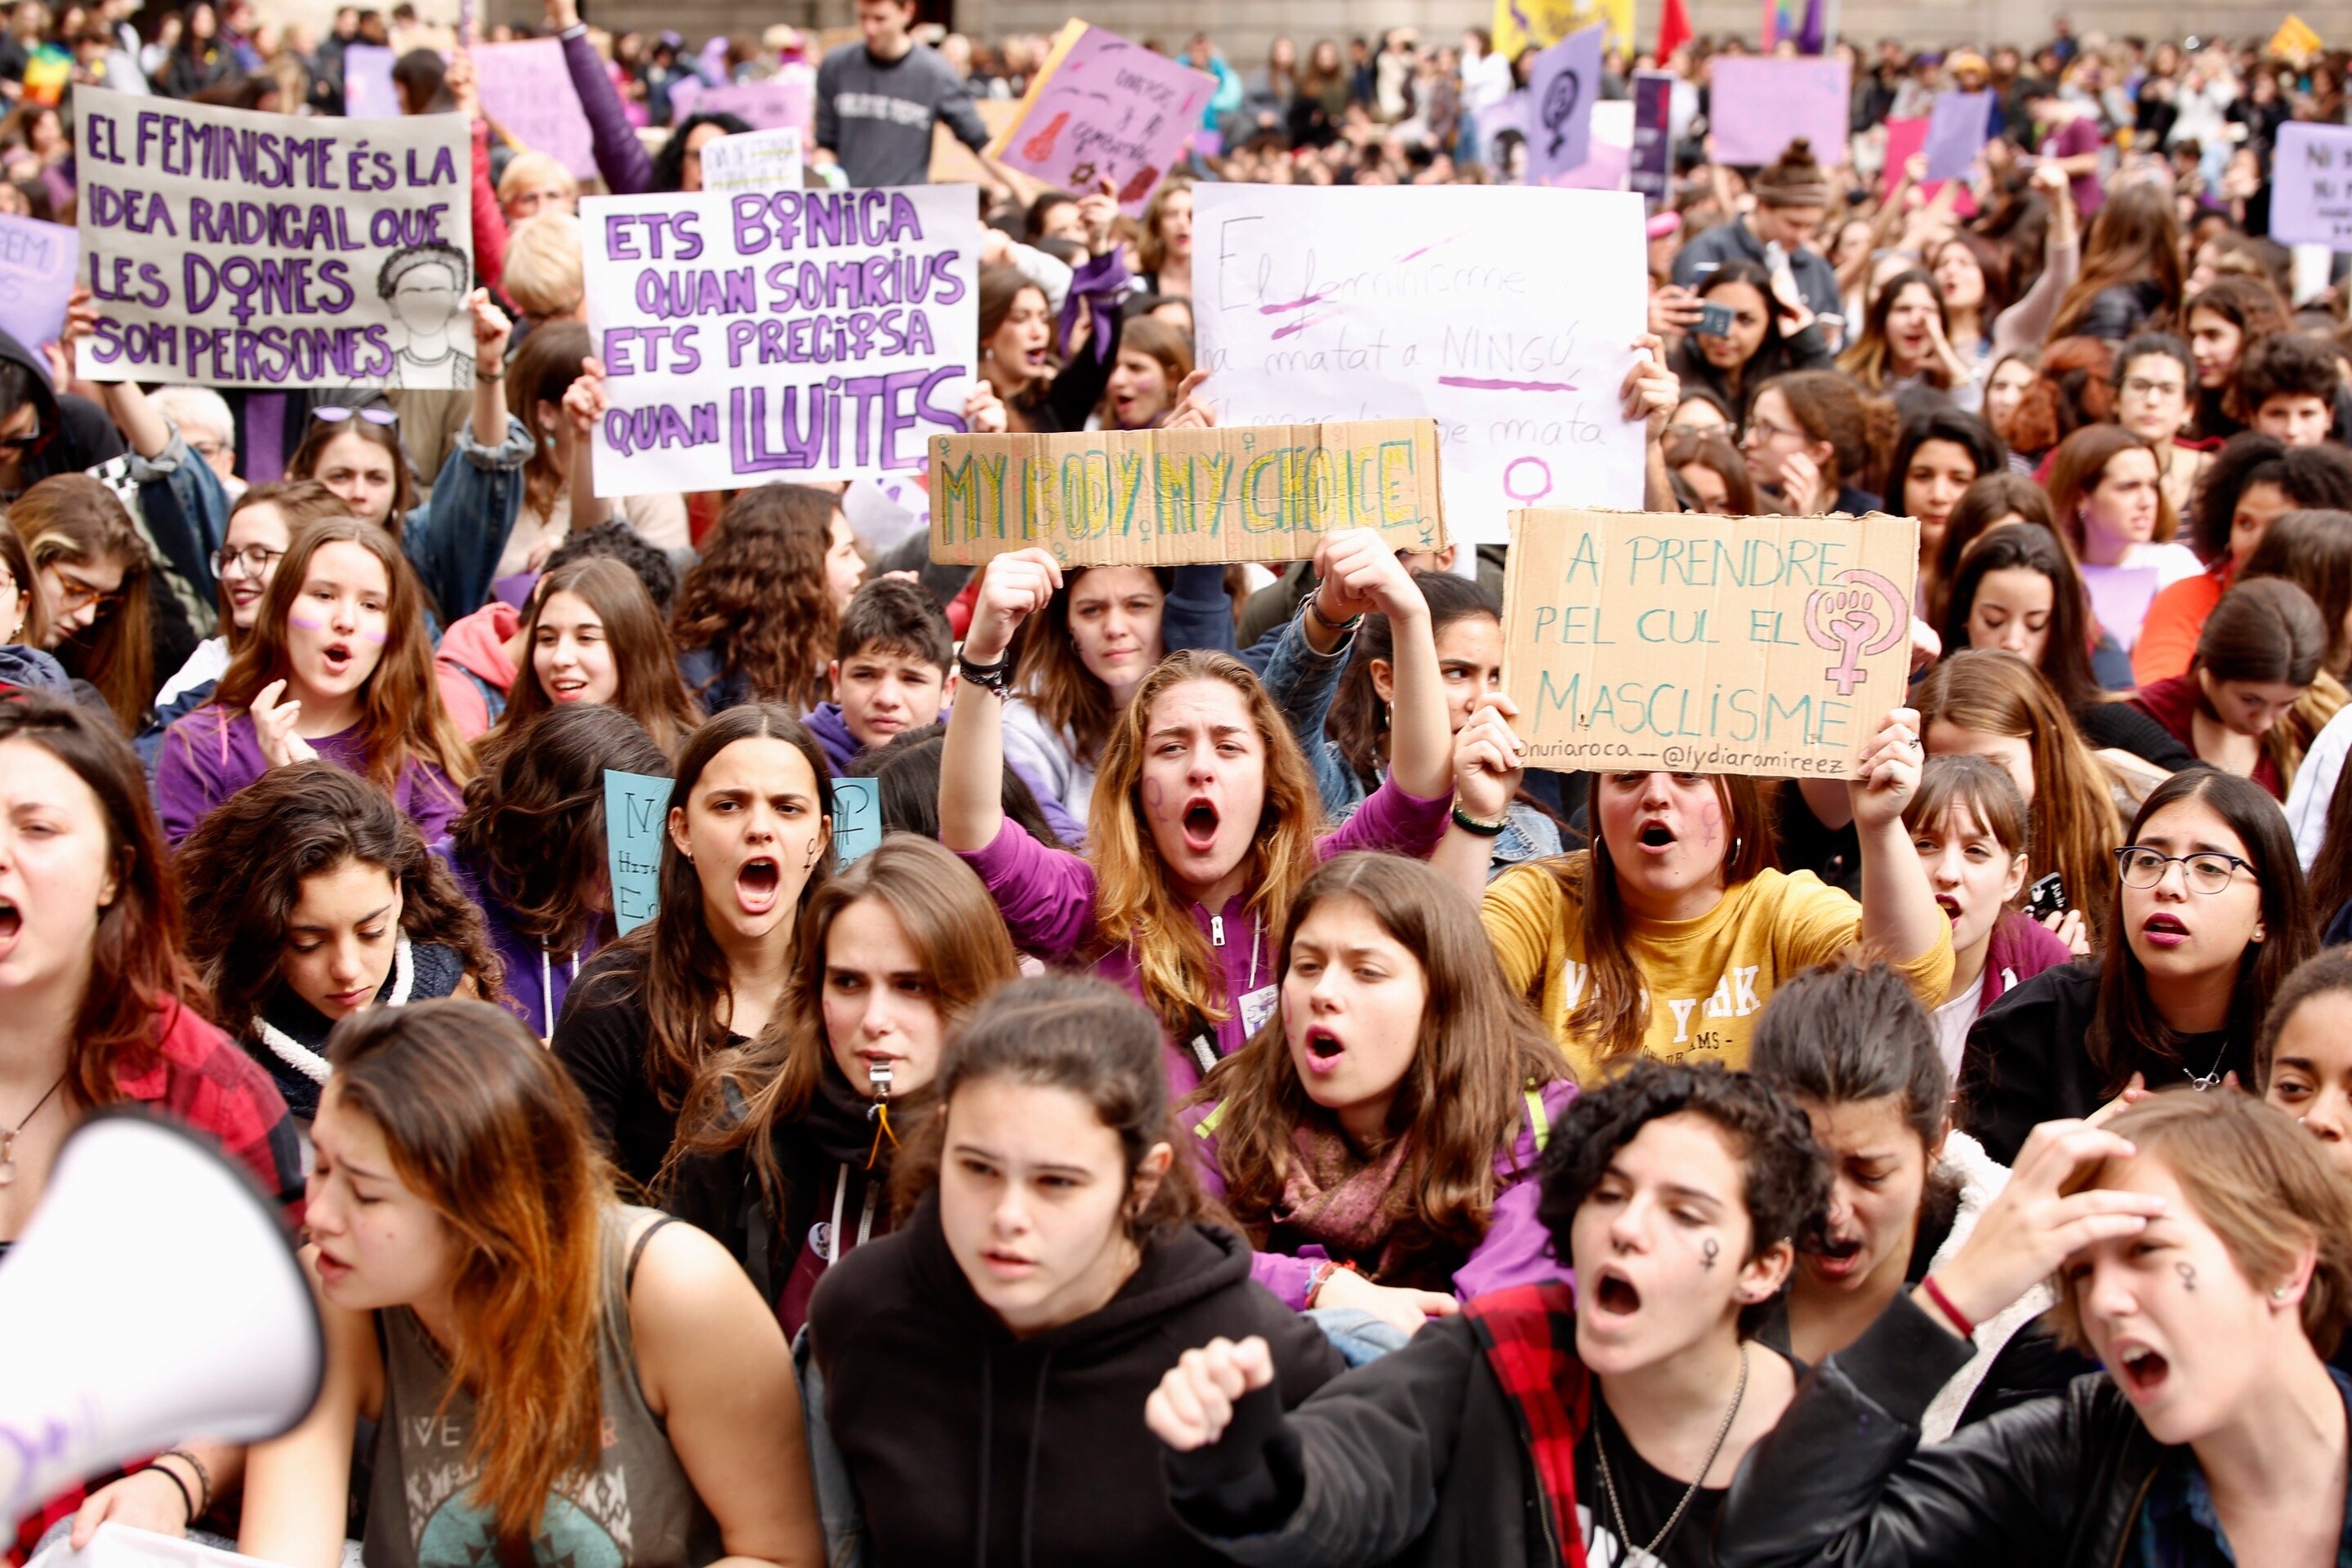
<point x="1856" y="623"/>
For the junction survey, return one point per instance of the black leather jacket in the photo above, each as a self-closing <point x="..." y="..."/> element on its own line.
<point x="2053" y="1483"/>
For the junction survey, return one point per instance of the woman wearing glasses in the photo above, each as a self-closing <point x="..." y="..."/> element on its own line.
<point x="2210" y="916"/>
<point x="1810" y="444"/>
<point x="90" y="567"/>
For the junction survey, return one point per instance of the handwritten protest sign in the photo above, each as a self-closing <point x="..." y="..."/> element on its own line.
<point x="368" y="91"/>
<point x="856" y="819"/>
<point x="1564" y="83"/>
<point x="1758" y="105"/>
<point x="1958" y="129"/>
<point x="1164" y="498"/>
<point x="527" y="88"/>
<point x="769" y="103"/>
<point x="2311" y="186"/>
<point x="37" y="262"/>
<point x="755" y="161"/>
<point x="1507" y="313"/>
<point x="236" y="250"/>
<point x="1700" y="644"/>
<point x="787" y="335"/>
<point x="636" y="818"/>
<point x="1101" y="105"/>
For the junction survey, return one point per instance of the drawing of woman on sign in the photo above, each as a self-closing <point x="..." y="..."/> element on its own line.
<point x="425" y="287"/>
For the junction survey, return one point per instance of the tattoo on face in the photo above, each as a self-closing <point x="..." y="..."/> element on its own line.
<point x="2188" y="1272"/>
<point x="1709" y="1250"/>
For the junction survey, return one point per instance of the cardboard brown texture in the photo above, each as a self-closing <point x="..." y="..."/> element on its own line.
<point x="953" y="162"/>
<point x="1637" y="641"/>
<point x="1166" y="498"/>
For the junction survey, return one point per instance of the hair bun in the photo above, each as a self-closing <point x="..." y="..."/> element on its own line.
<point x="1800" y="150"/>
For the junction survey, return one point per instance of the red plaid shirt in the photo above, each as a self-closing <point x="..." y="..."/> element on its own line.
<point x="1528" y="1333"/>
<point x="199" y="1077"/>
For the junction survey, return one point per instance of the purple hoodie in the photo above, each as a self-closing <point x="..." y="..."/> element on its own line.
<point x="1516" y="1250"/>
<point x="2019" y="949"/>
<point x="1047" y="899"/>
<point x="211" y="755"/>
<point x="831" y="728"/>
<point x="536" y="985"/>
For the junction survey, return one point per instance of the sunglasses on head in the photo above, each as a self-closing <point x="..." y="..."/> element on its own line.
<point x="333" y="416"/>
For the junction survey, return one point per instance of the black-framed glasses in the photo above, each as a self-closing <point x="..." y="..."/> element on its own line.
<point x="20" y="444"/>
<point x="2207" y="871"/>
<point x="253" y="561"/>
<point x="334" y="415"/>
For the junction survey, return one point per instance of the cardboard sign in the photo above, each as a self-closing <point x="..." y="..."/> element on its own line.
<point x="1650" y="165"/>
<point x="1697" y="644"/>
<point x="1165" y="498"/>
<point x="227" y="248"/>
<point x="1522" y="25"/>
<point x="637" y="822"/>
<point x="527" y="88"/>
<point x="1102" y="106"/>
<point x="795" y="335"/>
<point x="368" y="89"/>
<point x="953" y="162"/>
<point x="1564" y="83"/>
<point x="37" y="262"/>
<point x="1507" y="313"/>
<point x="1760" y="105"/>
<point x="2311" y="186"/>
<point x="1956" y="132"/>
<point x="857" y="820"/>
<point x="2296" y="42"/>
<point x="771" y="103"/>
<point x="757" y="160"/>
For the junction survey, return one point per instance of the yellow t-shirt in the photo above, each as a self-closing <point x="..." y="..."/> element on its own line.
<point x="1707" y="978"/>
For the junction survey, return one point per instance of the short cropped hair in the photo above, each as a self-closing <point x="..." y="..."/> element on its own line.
<point x="2288" y="365"/>
<point x="898" y="617"/>
<point x="544" y="272"/>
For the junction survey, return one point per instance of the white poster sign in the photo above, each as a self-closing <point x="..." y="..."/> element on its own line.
<point x="754" y="161"/>
<point x="753" y="337"/>
<point x="1507" y="314"/>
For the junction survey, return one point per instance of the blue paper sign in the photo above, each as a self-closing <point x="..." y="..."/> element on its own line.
<point x="856" y="819"/>
<point x="1563" y="89"/>
<point x="636" y="818"/>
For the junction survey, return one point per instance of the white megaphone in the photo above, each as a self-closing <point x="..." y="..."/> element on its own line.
<point x="154" y="1297"/>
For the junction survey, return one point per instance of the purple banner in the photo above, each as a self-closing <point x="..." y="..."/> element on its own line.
<point x="1651" y="168"/>
<point x="527" y="90"/>
<point x="37" y="272"/>
<point x="1562" y="85"/>
<point x="1757" y="107"/>
<point x="1103" y="106"/>
<point x="783" y="98"/>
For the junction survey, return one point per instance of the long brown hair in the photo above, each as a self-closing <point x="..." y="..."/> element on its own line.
<point x="2079" y="467"/>
<point x="485" y="1126"/>
<point x="2075" y="385"/>
<point x="1869" y="360"/>
<point x="402" y="719"/>
<point x="959" y="939"/>
<point x="1136" y="906"/>
<point x="759" y="597"/>
<point x="1477" y="1051"/>
<point x="74" y="520"/>
<point x="242" y="871"/>
<point x="650" y="692"/>
<point x="544" y="368"/>
<point x="17" y="562"/>
<point x="296" y="501"/>
<point x="319" y="432"/>
<point x="1614" y="1012"/>
<point x="1992" y="497"/>
<point x="2065" y="661"/>
<point x="136" y="966"/>
<point x="2267" y="629"/>
<point x="1860" y="430"/>
<point x="2076" y="829"/>
<point x="1051" y="677"/>
<point x="2135" y="238"/>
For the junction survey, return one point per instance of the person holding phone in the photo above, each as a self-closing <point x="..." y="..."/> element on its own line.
<point x="1742" y="335"/>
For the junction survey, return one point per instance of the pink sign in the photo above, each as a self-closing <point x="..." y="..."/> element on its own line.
<point x="771" y="103"/>
<point x="1757" y="106"/>
<point x="1102" y="106"/>
<point x="527" y="88"/>
<point x="1905" y="136"/>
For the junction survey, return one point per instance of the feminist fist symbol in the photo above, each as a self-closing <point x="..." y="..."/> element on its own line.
<point x="1852" y="623"/>
<point x="1559" y="102"/>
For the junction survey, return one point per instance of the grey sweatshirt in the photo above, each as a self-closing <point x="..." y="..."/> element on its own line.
<point x="875" y="117"/>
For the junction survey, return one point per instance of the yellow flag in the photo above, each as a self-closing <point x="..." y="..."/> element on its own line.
<point x="1522" y="25"/>
<point x="2294" y="42"/>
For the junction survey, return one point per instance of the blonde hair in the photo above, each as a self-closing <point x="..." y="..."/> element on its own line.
<point x="529" y="168"/>
<point x="544" y="272"/>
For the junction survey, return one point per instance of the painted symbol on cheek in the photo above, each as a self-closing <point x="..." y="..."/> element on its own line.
<point x="2188" y="1273"/>
<point x="304" y="623"/>
<point x="1709" y="1252"/>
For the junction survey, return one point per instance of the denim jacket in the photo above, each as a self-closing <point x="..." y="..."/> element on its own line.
<point x="183" y="511"/>
<point x="454" y="540"/>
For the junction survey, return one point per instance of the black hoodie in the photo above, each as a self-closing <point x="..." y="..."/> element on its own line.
<point x="79" y="435"/>
<point x="968" y="1446"/>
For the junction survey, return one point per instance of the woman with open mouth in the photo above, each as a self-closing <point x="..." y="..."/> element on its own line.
<point x="1677" y="1194"/>
<point x="1204" y="822"/>
<point x="1905" y="343"/>
<point x="338" y="667"/>
<point x="896" y="955"/>
<point x="95" y="1005"/>
<point x="310" y="897"/>
<point x="2209" y="917"/>
<point x="1358" y="1180"/>
<point x="749" y="838"/>
<point x="1670" y="933"/>
<point x="2200" y="1248"/>
<point x="593" y="636"/>
<point x="1005" y="1335"/>
<point x="1851" y="1048"/>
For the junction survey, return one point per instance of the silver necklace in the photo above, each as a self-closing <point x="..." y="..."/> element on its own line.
<point x="2211" y="1077"/>
<point x="9" y="1134"/>
<point x="1609" y="1482"/>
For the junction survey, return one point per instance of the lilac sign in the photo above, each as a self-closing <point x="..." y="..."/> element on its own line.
<point x="2311" y="186"/>
<point x="37" y="272"/>
<point x="368" y="92"/>
<point x="1759" y="106"/>
<point x="1102" y="106"/>
<point x="228" y="248"/>
<point x="1957" y="134"/>
<point x="1563" y="86"/>
<point x="527" y="88"/>
<point x="787" y="98"/>
<point x="758" y="336"/>
<point x="1650" y="168"/>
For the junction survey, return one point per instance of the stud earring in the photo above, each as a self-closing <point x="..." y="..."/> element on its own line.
<point x="2278" y="1293"/>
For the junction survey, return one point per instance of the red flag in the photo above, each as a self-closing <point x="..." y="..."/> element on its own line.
<point x="1673" y="29"/>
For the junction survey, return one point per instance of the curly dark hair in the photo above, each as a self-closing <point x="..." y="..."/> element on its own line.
<point x="241" y="872"/>
<point x="2313" y="478"/>
<point x="758" y="595"/>
<point x="669" y="164"/>
<point x="625" y="545"/>
<point x="1787" y="1176"/>
<point x="2286" y="364"/>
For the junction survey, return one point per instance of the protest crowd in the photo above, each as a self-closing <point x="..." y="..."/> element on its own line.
<point x="580" y="692"/>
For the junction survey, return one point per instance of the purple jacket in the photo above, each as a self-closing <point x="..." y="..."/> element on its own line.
<point x="621" y="158"/>
<point x="2019" y="949"/>
<point x="211" y="755"/>
<point x="536" y="985"/>
<point x="1047" y="899"/>
<point x="1516" y="1250"/>
<point x="841" y="749"/>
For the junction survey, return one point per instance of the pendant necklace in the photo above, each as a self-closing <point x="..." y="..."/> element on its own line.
<point x="1609" y="1482"/>
<point x="9" y="1134"/>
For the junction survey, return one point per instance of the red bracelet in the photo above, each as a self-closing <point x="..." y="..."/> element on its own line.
<point x="1960" y="1320"/>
